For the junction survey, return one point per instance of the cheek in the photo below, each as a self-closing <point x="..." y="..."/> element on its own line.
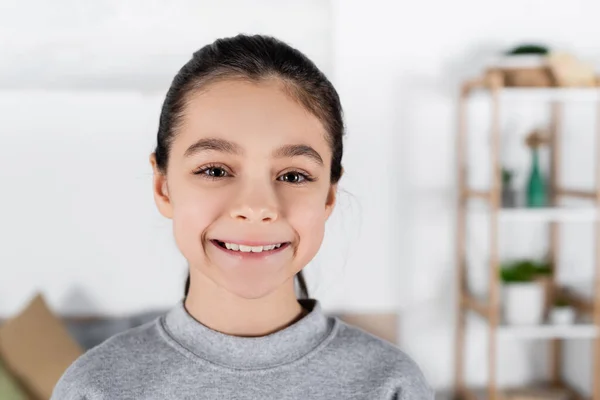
<point x="193" y="212"/>
<point x="307" y="218"/>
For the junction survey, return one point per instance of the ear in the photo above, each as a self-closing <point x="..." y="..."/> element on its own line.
<point x="161" y="190"/>
<point x="331" y="200"/>
<point x="332" y="197"/>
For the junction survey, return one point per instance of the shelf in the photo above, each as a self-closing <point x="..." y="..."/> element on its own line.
<point x="591" y="94"/>
<point x="559" y="392"/>
<point x="544" y="331"/>
<point x="548" y="214"/>
<point x="576" y="331"/>
<point x="480" y="205"/>
<point x="556" y="214"/>
<point x="479" y="307"/>
<point x="476" y="305"/>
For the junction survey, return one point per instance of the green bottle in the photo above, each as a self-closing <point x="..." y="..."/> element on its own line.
<point x="536" y="187"/>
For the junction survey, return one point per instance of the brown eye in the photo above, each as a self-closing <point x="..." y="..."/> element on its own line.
<point x="212" y="172"/>
<point x="216" y="172"/>
<point x="292" y="177"/>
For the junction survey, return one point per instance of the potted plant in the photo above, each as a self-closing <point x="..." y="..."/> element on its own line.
<point x="523" y="291"/>
<point x="526" y="66"/>
<point x="562" y="313"/>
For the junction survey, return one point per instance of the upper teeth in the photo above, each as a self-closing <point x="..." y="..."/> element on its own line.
<point x="254" y="249"/>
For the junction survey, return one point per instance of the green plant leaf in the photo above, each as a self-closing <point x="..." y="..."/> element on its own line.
<point x="506" y="176"/>
<point x="520" y="271"/>
<point x="561" y="303"/>
<point x="528" y="49"/>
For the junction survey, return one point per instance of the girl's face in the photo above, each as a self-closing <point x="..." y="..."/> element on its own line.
<point x="248" y="185"/>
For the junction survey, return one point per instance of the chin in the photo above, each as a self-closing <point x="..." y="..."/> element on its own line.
<point x="251" y="292"/>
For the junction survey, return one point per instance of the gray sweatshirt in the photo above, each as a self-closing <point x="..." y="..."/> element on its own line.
<point x="177" y="357"/>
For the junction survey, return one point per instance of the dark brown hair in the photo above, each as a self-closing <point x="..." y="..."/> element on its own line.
<point x="255" y="58"/>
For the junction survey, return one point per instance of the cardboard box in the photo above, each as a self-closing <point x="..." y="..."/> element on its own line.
<point x="36" y="348"/>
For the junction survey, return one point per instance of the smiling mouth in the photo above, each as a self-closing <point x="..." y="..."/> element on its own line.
<point x="250" y="249"/>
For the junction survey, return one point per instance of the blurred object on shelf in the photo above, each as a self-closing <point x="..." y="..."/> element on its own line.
<point x="562" y="313"/>
<point x="523" y="303"/>
<point x="537" y="193"/>
<point x="528" y="77"/>
<point x="509" y="194"/>
<point x="537" y="138"/>
<point x="529" y="49"/>
<point x="568" y="71"/>
<point x="526" y="66"/>
<point x="532" y="65"/>
<point x="524" y="291"/>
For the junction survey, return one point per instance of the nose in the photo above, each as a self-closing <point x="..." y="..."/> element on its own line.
<point x="257" y="203"/>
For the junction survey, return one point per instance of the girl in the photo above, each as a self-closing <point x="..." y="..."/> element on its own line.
<point x="247" y="165"/>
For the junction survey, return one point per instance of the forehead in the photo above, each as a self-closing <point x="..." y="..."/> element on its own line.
<point x="247" y="112"/>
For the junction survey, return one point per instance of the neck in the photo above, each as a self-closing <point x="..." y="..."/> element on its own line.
<point x="225" y="312"/>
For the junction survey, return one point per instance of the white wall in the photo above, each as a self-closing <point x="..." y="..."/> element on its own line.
<point x="80" y="90"/>
<point x="139" y="45"/>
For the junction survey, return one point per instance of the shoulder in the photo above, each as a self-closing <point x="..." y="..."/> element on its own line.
<point x="104" y="365"/>
<point x="383" y="361"/>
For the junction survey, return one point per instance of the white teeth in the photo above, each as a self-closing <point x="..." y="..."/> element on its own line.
<point x="245" y="249"/>
<point x="253" y="249"/>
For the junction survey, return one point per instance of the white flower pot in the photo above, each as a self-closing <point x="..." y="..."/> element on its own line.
<point x="521" y="61"/>
<point x="562" y="315"/>
<point x="523" y="303"/>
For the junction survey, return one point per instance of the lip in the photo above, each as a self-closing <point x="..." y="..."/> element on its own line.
<point x="251" y="255"/>
<point x="249" y="242"/>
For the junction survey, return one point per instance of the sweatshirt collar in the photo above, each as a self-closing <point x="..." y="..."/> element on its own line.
<point x="281" y="347"/>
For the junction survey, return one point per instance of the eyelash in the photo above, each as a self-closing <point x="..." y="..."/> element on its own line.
<point x="202" y="172"/>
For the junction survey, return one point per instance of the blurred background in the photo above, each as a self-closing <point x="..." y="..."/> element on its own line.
<point x="81" y="85"/>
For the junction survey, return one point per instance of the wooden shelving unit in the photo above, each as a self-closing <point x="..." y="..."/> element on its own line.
<point x="489" y="308"/>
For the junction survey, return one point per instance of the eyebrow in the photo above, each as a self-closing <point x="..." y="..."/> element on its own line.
<point x="222" y="145"/>
<point x="225" y="146"/>
<point x="297" y="150"/>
